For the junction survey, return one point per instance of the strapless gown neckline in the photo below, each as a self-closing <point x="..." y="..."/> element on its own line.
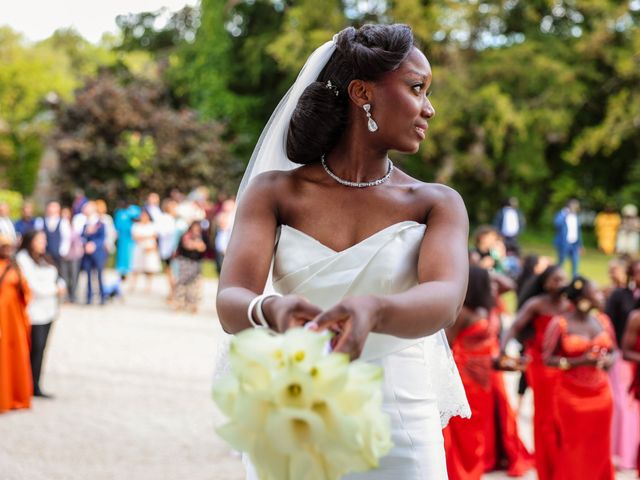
<point x="364" y="241"/>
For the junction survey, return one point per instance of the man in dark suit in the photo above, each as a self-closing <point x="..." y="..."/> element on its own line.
<point x="95" y="252"/>
<point x="27" y="222"/>
<point x="57" y="231"/>
<point x="568" y="239"/>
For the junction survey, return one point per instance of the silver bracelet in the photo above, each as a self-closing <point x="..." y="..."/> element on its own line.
<point x="256" y="304"/>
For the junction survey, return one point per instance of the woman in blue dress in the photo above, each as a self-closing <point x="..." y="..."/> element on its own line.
<point x="123" y="220"/>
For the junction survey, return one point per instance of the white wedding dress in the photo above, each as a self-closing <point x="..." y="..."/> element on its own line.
<point x="422" y="388"/>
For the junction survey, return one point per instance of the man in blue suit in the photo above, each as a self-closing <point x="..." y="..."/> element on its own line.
<point x="95" y="252"/>
<point x="568" y="239"/>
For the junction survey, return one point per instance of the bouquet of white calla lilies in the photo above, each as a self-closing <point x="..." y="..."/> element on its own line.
<point x="299" y="412"/>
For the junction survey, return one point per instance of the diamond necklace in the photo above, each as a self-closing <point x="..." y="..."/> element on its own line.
<point x="347" y="183"/>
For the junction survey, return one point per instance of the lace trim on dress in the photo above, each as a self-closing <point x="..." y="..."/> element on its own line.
<point x="223" y="365"/>
<point x="450" y="394"/>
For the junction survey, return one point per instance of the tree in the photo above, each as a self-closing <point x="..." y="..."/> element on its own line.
<point x="228" y="74"/>
<point x="158" y="32"/>
<point x="119" y="140"/>
<point x="63" y="60"/>
<point x="21" y="105"/>
<point x="535" y="99"/>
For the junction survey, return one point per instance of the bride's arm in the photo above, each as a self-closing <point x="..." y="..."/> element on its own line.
<point x="248" y="259"/>
<point x="443" y="273"/>
<point x="248" y="256"/>
<point x="433" y="304"/>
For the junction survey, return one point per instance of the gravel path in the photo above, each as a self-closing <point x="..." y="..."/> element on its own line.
<point x="132" y="400"/>
<point x="132" y="384"/>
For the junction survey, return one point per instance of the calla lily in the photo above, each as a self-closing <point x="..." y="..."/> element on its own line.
<point x="293" y="429"/>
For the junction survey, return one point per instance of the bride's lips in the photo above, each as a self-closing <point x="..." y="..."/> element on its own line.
<point x="421" y="130"/>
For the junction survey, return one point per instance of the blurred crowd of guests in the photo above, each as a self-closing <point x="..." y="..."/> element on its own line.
<point x="43" y="259"/>
<point x="172" y="236"/>
<point x="616" y="233"/>
<point x="579" y="351"/>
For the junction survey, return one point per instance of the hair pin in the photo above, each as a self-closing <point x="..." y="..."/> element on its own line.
<point x="332" y="87"/>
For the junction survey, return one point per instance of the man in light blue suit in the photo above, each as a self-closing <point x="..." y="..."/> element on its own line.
<point x="568" y="239"/>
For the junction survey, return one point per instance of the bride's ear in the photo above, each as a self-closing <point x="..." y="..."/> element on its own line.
<point x="360" y="92"/>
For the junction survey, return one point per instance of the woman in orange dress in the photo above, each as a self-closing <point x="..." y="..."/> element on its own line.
<point x="606" y="225"/>
<point x="16" y="386"/>
<point x="478" y="444"/>
<point x="545" y="300"/>
<point x="631" y="352"/>
<point x="580" y="346"/>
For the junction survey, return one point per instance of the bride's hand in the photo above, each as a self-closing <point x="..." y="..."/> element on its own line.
<point x="351" y="320"/>
<point x="283" y="313"/>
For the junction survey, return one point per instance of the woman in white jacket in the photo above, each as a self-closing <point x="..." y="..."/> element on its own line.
<point x="46" y="288"/>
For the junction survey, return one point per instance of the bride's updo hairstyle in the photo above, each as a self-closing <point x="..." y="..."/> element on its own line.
<point x="320" y="116"/>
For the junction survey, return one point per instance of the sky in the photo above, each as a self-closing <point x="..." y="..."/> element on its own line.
<point x="38" y="19"/>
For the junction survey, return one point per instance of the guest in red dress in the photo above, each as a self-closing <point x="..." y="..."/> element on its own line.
<point x="580" y="346"/>
<point x="631" y="352"/>
<point x="489" y="439"/>
<point x="545" y="300"/>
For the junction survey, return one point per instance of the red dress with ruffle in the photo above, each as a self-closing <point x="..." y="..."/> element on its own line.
<point x="479" y="444"/>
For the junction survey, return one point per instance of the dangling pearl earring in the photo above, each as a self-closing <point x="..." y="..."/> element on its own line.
<point x="371" y="123"/>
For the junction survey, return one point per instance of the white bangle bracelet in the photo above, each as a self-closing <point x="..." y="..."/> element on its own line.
<point x="260" y="313"/>
<point x="257" y="302"/>
<point x="252" y="305"/>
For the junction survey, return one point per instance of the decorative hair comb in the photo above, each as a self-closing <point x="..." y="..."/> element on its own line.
<point x="332" y="87"/>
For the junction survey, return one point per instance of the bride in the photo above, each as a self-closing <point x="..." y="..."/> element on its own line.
<point x="331" y="234"/>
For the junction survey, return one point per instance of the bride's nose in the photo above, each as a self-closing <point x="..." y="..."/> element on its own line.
<point x="427" y="109"/>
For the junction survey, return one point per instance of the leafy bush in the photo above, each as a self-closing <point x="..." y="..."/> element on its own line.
<point x="122" y="138"/>
<point x="13" y="199"/>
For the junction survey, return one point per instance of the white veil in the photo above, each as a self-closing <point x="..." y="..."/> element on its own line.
<point x="271" y="154"/>
<point x="271" y="150"/>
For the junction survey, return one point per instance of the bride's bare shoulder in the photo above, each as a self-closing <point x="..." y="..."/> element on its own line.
<point x="276" y="182"/>
<point x="432" y="194"/>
